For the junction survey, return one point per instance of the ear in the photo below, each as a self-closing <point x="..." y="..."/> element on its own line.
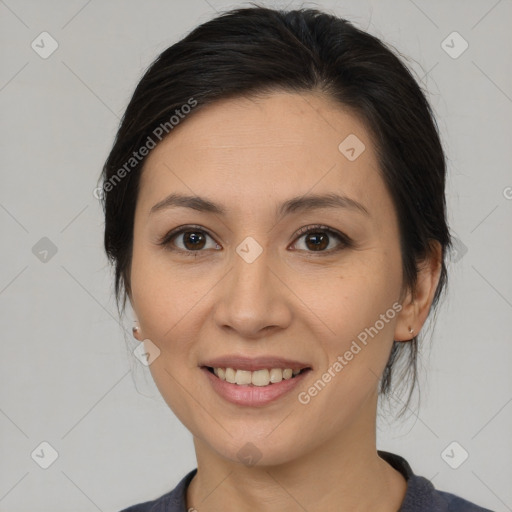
<point x="136" y="331"/>
<point x="417" y="302"/>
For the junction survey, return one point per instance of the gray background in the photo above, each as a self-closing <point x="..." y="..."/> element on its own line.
<point x="67" y="376"/>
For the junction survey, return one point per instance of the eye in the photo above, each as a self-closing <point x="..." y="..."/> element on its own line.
<point x="193" y="239"/>
<point x="317" y="237"/>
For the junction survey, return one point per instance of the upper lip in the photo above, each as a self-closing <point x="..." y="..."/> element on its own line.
<point x="254" y="363"/>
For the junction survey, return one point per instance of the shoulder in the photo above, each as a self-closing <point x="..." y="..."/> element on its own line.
<point x="458" y="504"/>
<point x="422" y="496"/>
<point x="173" y="501"/>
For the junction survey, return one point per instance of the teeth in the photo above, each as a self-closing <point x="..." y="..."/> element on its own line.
<point x="230" y="375"/>
<point x="243" y="377"/>
<point x="256" y="378"/>
<point x="276" y="375"/>
<point x="260" y="377"/>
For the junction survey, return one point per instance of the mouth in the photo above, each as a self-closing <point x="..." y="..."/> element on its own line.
<point x="254" y="382"/>
<point x="258" y="378"/>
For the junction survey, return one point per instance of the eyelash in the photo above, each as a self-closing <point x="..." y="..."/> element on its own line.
<point x="346" y="242"/>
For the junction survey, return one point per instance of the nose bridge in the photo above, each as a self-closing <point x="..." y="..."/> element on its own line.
<point x="251" y="300"/>
<point x="251" y="273"/>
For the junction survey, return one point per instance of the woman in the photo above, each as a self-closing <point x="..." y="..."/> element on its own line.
<point x="275" y="210"/>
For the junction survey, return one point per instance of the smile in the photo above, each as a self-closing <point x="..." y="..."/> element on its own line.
<point x="262" y="377"/>
<point x="255" y="388"/>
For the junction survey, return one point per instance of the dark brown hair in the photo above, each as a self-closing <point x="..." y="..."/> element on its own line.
<point x="258" y="50"/>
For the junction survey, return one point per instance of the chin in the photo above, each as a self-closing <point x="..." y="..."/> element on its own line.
<point x="254" y="451"/>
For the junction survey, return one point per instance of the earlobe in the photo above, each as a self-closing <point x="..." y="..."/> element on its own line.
<point x="136" y="332"/>
<point x="416" y="305"/>
<point x="404" y="330"/>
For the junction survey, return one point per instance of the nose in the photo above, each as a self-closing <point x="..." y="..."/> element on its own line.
<point x="254" y="299"/>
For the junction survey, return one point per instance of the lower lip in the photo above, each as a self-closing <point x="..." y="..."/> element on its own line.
<point x="250" y="395"/>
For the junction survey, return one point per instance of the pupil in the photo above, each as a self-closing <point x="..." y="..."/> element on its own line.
<point x="320" y="240"/>
<point x="193" y="237"/>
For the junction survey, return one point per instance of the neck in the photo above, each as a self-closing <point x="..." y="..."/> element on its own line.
<point x="342" y="473"/>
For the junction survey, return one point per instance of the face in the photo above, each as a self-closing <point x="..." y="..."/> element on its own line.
<point x="241" y="286"/>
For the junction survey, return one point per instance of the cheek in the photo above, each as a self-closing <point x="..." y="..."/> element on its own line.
<point x="358" y="308"/>
<point x="166" y="304"/>
<point x="168" y="300"/>
<point x="352" y="296"/>
<point x="162" y="295"/>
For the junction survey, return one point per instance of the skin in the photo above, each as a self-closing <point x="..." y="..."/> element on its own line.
<point x="250" y="155"/>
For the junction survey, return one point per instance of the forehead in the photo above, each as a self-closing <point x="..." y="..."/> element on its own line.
<point x="279" y="144"/>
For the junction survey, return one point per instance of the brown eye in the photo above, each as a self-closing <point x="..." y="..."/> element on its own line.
<point x="316" y="241"/>
<point x="188" y="240"/>
<point x="317" y="238"/>
<point x="193" y="240"/>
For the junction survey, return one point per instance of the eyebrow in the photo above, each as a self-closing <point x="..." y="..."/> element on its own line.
<point x="293" y="205"/>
